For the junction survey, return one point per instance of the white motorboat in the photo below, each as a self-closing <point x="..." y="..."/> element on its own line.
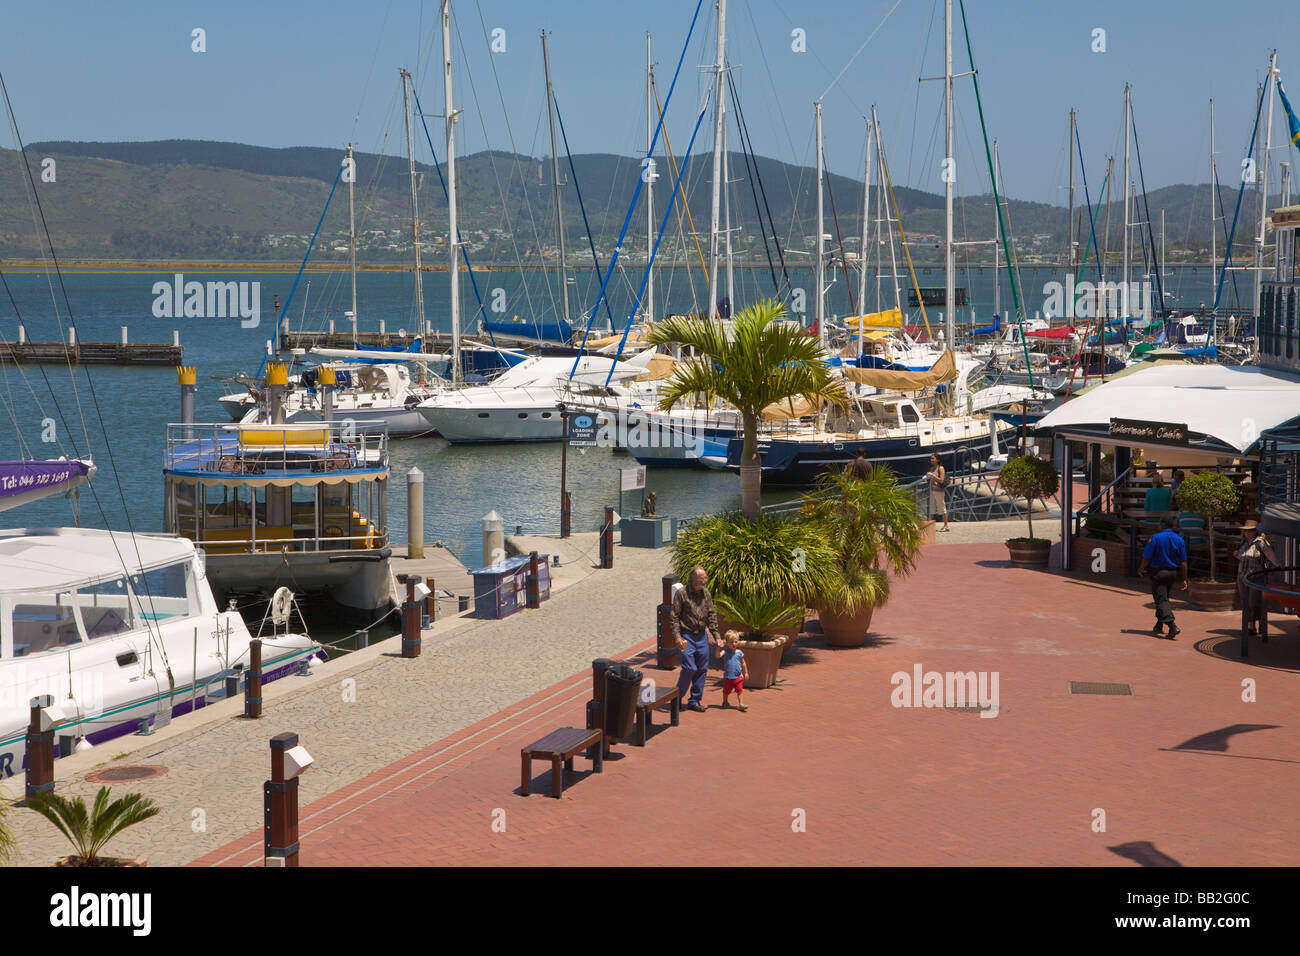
<point x="118" y="628"/>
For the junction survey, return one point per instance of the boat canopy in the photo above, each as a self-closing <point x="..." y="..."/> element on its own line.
<point x="889" y="319"/>
<point x="45" y="559"/>
<point x="797" y="407"/>
<point x="944" y="370"/>
<point x="1060" y="332"/>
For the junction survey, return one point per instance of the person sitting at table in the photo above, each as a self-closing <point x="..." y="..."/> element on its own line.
<point x="1178" y="478"/>
<point x="1159" y="497"/>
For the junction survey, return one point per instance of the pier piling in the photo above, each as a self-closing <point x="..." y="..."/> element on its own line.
<point x="410" y="616"/>
<point x="415" y="513"/>
<point x="667" y="654"/>
<point x="253" y="688"/>
<point x="40" y="747"/>
<point x="533" y="582"/>
<point x="607" y="540"/>
<point x="280" y="802"/>
<point x="494" y="538"/>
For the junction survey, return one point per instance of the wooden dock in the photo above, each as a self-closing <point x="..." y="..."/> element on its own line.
<point x="439" y="565"/>
<point x="324" y="338"/>
<point x="89" y="353"/>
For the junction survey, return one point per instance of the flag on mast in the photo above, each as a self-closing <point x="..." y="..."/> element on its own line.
<point x="1290" y="115"/>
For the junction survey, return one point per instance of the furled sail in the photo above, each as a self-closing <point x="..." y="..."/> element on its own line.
<point x="944" y="370"/>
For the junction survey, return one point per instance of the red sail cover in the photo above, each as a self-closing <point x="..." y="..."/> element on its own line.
<point x="1061" y="332"/>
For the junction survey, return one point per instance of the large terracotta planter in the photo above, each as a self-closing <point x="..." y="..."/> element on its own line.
<point x="1213" y="595"/>
<point x="790" y="633"/>
<point x="764" y="660"/>
<point x="845" y="630"/>
<point x="1030" y="554"/>
<point x="105" y="861"/>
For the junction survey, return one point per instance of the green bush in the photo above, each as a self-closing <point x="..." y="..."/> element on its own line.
<point x="758" y="614"/>
<point x="90" y="830"/>
<point x="1210" y="494"/>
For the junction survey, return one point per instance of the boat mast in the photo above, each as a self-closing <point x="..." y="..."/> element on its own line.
<point x="649" y="184"/>
<point x="352" y="238"/>
<point x="1214" y="188"/>
<point x="1263" y="183"/>
<point x="555" y="179"/>
<point x="718" y="110"/>
<point x="726" y="206"/>
<point x="885" y="208"/>
<point x="415" y="202"/>
<point x="450" y="118"/>
<point x="862" y="250"/>
<point x="950" y="326"/>
<point x="1069" y="255"/>
<point x="1123" y="312"/>
<point x="821" y="233"/>
<point x="997" y="236"/>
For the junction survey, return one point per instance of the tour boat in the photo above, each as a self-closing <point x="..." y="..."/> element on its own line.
<point x="122" y="630"/>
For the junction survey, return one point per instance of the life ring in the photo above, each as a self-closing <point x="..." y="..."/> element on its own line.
<point x="281" y="605"/>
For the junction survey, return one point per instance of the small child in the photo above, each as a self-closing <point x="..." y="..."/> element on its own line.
<point x="734" y="671"/>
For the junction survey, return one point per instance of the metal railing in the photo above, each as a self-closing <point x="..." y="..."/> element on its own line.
<point x="244" y="449"/>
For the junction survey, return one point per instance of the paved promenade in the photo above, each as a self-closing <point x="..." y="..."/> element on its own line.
<point x="362" y="711"/>
<point x="822" y="769"/>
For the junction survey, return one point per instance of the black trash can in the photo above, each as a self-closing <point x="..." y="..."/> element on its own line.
<point x="622" y="688"/>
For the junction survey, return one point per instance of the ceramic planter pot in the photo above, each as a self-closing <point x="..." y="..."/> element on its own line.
<point x="1213" y="595"/>
<point x="764" y="660"/>
<point x="1029" y="554"/>
<point x="845" y="630"/>
<point x="790" y="633"/>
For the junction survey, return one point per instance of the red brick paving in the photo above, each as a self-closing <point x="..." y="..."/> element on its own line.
<point x="879" y="784"/>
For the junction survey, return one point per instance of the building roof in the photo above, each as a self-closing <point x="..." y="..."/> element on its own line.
<point x="1224" y="407"/>
<point x="49" y="558"/>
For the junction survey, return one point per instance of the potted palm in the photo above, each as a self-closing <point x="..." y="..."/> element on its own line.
<point x="1213" y="495"/>
<point x="7" y="841"/>
<point x="872" y="525"/>
<point x="764" y="573"/>
<point x="1031" y="478"/>
<point x="90" y="830"/>
<point x="756" y="360"/>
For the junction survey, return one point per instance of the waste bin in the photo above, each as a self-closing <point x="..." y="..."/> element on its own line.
<point x="622" y="689"/>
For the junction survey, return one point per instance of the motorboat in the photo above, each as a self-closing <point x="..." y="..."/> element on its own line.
<point x="121" y="629"/>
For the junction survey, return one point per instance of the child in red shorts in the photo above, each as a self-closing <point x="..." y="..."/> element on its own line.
<point x="734" y="671"/>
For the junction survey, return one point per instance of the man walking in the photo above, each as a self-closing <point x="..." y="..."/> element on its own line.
<point x="694" y="622"/>
<point x="1166" y="556"/>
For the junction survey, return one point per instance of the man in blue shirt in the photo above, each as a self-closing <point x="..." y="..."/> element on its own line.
<point x="1166" y="557"/>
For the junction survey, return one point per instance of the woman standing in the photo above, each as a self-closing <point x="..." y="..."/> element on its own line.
<point x="938" y="491"/>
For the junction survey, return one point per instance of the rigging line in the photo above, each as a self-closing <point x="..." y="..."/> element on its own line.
<point x="902" y="236"/>
<point x="1151" y="238"/>
<point x="1105" y="185"/>
<point x="108" y="448"/>
<point x="591" y="244"/>
<point x="1009" y="254"/>
<point x="869" y="38"/>
<point x="1223" y="217"/>
<point x="510" y="134"/>
<point x="672" y="160"/>
<point x="26" y="381"/>
<point x="637" y="192"/>
<point x="848" y="286"/>
<point x="746" y="138"/>
<point x="294" y="288"/>
<point x="365" y="86"/>
<point x="636" y="304"/>
<point x="758" y="210"/>
<point x="1227" y="254"/>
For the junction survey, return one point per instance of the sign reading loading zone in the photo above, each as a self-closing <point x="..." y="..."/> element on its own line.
<point x="1148" y="431"/>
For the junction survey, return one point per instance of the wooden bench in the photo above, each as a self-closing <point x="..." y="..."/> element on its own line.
<point x="664" y="696"/>
<point x="560" y="746"/>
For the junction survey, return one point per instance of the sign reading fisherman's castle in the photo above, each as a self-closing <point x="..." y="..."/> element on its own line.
<point x="1148" y="431"/>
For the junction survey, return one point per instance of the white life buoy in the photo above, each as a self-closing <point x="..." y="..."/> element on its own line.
<point x="281" y="605"/>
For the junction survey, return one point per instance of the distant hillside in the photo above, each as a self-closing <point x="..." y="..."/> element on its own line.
<point x="197" y="199"/>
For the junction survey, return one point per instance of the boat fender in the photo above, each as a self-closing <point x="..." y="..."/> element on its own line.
<point x="281" y="605"/>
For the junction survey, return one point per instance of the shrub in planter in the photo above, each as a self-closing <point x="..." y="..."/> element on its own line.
<point x="1213" y="495"/>
<point x="90" y="830"/>
<point x="1033" y="479"/>
<point x="872" y="525"/>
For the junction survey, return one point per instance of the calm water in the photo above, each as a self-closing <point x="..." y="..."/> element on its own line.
<point x="125" y="410"/>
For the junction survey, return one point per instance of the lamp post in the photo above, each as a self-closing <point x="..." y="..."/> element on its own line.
<point x="565" y="516"/>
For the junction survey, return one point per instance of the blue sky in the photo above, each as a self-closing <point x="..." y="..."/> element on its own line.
<point x="279" y="73"/>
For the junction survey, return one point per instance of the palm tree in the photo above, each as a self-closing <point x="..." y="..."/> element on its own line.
<point x="759" y="361"/>
<point x="89" y="831"/>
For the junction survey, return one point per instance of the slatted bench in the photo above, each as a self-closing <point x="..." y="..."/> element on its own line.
<point x="670" y="697"/>
<point x="560" y="747"/>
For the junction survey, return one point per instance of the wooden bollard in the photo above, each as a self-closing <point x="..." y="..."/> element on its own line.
<point x="280" y="807"/>
<point x="534" y="582"/>
<point x="566" y="515"/>
<point x="40" y="749"/>
<point x="607" y="540"/>
<point x="253" y="688"/>
<point x="667" y="653"/>
<point x="410" y="617"/>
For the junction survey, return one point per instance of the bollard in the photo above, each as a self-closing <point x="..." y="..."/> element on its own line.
<point x="280" y="807"/>
<point x="326" y="379"/>
<point x="462" y="603"/>
<point x="430" y="607"/>
<point x="22" y="334"/>
<point x="253" y="687"/>
<point x="360" y="639"/>
<point x="607" y="540"/>
<point x="331" y="326"/>
<point x="187" y="377"/>
<point x="124" y="342"/>
<point x="415" y="513"/>
<point x="176" y="338"/>
<point x="410" y="616"/>
<point x="40" y="748"/>
<point x="381" y="326"/>
<point x="533" y="582"/>
<point x="72" y="336"/>
<point x="494" y="538"/>
<point x="566" y="515"/>
<point x="667" y="654"/>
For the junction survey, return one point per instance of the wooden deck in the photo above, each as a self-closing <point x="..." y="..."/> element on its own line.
<point x="444" y="568"/>
<point x="89" y="353"/>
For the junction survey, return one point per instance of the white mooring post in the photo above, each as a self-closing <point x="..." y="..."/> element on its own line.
<point x="494" y="538"/>
<point x="124" y="335"/>
<point x="415" y="513"/>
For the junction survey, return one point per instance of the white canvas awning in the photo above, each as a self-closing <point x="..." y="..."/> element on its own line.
<point x="1223" y="407"/>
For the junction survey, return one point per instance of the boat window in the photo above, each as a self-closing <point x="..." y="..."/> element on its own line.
<point x="523" y="414"/>
<point x="44" y="622"/>
<point x="482" y="414"/>
<point x="105" y="609"/>
<point x="160" y="593"/>
<point x="910" y="414"/>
